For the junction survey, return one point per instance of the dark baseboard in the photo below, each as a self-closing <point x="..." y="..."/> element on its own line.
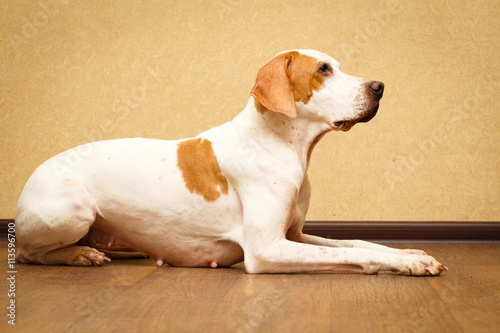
<point x="4" y="229"/>
<point x="408" y="232"/>
<point x="390" y="232"/>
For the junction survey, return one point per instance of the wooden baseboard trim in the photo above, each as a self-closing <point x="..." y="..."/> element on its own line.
<point x="390" y="232"/>
<point x="4" y="229"/>
<point x="408" y="232"/>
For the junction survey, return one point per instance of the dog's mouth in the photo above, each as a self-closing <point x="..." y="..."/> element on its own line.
<point x="370" y="115"/>
<point x="345" y="125"/>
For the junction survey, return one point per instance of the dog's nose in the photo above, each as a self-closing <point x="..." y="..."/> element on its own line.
<point x="377" y="88"/>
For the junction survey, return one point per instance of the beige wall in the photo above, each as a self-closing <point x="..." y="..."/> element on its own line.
<point x="78" y="71"/>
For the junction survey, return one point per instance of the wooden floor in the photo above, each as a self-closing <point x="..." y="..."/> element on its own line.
<point x="134" y="295"/>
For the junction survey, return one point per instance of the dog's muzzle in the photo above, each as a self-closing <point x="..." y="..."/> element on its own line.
<point x="376" y="90"/>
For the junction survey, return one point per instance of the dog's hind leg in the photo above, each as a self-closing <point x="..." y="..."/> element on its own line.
<point x="73" y="255"/>
<point x="51" y="217"/>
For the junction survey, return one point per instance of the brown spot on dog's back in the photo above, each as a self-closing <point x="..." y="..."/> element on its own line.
<point x="200" y="169"/>
<point x="303" y="72"/>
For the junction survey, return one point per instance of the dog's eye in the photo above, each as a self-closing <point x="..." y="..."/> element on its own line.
<point x="325" y="69"/>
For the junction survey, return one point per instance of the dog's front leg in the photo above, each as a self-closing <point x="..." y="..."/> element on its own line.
<point x="315" y="240"/>
<point x="284" y="256"/>
<point x="267" y="250"/>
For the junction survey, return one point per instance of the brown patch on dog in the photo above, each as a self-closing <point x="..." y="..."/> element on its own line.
<point x="303" y="73"/>
<point x="200" y="169"/>
<point x="273" y="88"/>
<point x="289" y="78"/>
<point x="260" y="108"/>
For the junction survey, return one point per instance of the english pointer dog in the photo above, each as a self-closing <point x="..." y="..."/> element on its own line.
<point x="235" y="192"/>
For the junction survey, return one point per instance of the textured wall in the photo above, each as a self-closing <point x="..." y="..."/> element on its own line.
<point x="78" y="71"/>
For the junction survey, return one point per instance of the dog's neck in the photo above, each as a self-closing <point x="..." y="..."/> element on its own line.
<point x="299" y="135"/>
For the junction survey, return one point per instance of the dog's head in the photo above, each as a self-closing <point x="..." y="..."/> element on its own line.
<point x="309" y="84"/>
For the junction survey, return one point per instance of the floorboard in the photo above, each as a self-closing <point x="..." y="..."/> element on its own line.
<point x="134" y="295"/>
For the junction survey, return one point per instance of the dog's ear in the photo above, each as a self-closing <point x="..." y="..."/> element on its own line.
<point x="273" y="87"/>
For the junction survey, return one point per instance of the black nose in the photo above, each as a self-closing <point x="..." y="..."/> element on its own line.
<point x="377" y="88"/>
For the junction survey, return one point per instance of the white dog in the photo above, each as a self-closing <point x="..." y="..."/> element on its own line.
<point x="236" y="192"/>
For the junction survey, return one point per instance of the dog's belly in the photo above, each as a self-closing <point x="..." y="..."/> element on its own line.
<point x="173" y="247"/>
<point x="203" y="253"/>
<point x="186" y="231"/>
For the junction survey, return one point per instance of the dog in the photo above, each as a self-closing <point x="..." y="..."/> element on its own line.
<point x="237" y="192"/>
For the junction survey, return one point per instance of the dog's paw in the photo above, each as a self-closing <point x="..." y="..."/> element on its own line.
<point x="421" y="265"/>
<point x="87" y="256"/>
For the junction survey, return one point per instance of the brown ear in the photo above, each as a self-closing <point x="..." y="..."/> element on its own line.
<point x="273" y="88"/>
